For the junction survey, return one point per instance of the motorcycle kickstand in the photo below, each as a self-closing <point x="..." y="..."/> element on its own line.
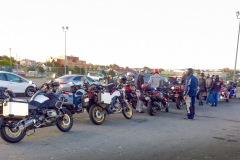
<point x="31" y="133"/>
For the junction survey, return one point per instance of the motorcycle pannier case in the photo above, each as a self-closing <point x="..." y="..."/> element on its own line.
<point x="15" y="108"/>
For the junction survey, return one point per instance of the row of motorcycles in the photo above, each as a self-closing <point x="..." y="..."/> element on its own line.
<point x="51" y="105"/>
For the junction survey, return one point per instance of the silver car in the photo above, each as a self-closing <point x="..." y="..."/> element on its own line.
<point x="68" y="80"/>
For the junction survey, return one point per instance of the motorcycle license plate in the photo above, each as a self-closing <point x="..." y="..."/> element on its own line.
<point x="176" y="95"/>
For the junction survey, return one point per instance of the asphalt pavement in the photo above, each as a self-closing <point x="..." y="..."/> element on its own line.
<point x="213" y="134"/>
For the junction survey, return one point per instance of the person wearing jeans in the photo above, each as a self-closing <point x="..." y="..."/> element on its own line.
<point x="216" y="86"/>
<point x="191" y="88"/>
<point x="209" y="81"/>
<point x="139" y="82"/>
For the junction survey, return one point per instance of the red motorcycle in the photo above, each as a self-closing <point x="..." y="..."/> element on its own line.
<point x="223" y="94"/>
<point x="131" y="95"/>
<point x="177" y="95"/>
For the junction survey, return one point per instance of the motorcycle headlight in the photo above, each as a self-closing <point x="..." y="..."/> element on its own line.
<point x="172" y="87"/>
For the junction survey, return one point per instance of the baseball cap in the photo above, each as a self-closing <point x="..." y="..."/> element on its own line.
<point x="142" y="70"/>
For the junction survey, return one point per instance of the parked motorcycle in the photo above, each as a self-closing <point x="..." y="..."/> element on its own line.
<point x="44" y="109"/>
<point x="223" y="94"/>
<point x="154" y="99"/>
<point x="131" y="96"/>
<point x="81" y="98"/>
<point x="177" y="95"/>
<point x="111" y="101"/>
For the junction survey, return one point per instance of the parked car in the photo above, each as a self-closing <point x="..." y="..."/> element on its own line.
<point x="67" y="80"/>
<point x="96" y="76"/>
<point x="16" y="83"/>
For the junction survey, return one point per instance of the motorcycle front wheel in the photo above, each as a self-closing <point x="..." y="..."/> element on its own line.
<point x="127" y="111"/>
<point x="65" y="122"/>
<point x="152" y="109"/>
<point x="96" y="114"/>
<point x="178" y="103"/>
<point x="10" y="134"/>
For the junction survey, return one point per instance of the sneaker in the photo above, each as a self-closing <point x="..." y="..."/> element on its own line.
<point x="141" y="111"/>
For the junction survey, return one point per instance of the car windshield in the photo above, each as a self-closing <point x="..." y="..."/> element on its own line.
<point x="90" y="79"/>
<point x="101" y="75"/>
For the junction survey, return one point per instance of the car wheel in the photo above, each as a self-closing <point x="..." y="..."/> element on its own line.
<point x="29" y="92"/>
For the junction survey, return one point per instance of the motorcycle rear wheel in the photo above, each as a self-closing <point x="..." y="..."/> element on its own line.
<point x="10" y="135"/>
<point x="152" y="109"/>
<point x="178" y="103"/>
<point x="96" y="115"/>
<point x="65" y="123"/>
<point x="127" y="111"/>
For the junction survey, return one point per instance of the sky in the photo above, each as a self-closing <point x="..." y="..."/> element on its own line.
<point x="169" y="34"/>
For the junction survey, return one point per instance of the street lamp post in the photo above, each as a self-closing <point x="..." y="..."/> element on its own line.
<point x="234" y="74"/>
<point x="65" y="29"/>
<point x="10" y="58"/>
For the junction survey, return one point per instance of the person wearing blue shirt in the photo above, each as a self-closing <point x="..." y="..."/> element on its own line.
<point x="190" y="92"/>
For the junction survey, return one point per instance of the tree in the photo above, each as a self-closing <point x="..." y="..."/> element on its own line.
<point x="6" y="60"/>
<point x="112" y="73"/>
<point x="160" y="70"/>
<point x="40" y="69"/>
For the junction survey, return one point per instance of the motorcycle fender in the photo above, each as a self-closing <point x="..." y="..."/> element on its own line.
<point x="116" y="93"/>
<point x="64" y="109"/>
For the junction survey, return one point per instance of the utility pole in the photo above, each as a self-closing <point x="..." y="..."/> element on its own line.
<point x="234" y="74"/>
<point x="10" y="58"/>
<point x="65" y="29"/>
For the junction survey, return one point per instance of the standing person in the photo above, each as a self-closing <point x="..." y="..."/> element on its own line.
<point x="156" y="80"/>
<point x="184" y="76"/>
<point x="110" y="79"/>
<point x="202" y="88"/>
<point x="209" y="81"/>
<point x="139" y="83"/>
<point x="191" y="87"/>
<point x="216" y="86"/>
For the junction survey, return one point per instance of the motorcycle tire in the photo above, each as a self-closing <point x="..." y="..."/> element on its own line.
<point x="65" y="123"/>
<point x="166" y="109"/>
<point x="134" y="104"/>
<point x="127" y="111"/>
<point x="151" y="109"/>
<point x="178" y="103"/>
<point x="95" y="114"/>
<point x="7" y="134"/>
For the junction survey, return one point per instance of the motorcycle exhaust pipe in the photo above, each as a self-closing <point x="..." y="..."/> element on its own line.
<point x="27" y="123"/>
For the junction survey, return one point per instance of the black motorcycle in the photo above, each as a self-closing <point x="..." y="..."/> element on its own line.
<point x="44" y="109"/>
<point x="154" y="99"/>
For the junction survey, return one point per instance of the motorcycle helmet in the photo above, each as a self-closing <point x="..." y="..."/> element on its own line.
<point x="122" y="79"/>
<point x="146" y="87"/>
<point x="189" y="71"/>
<point x="155" y="71"/>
